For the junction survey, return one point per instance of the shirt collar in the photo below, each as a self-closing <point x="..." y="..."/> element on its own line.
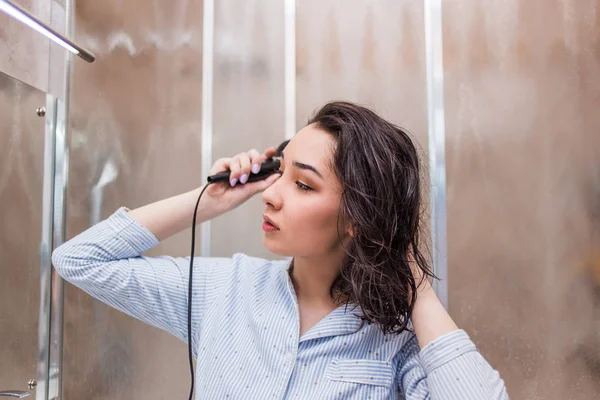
<point x="343" y="320"/>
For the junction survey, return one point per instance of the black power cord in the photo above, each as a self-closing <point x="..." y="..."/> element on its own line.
<point x="269" y="167"/>
<point x="189" y="310"/>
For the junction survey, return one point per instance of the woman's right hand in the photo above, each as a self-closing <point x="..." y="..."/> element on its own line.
<point x="227" y="196"/>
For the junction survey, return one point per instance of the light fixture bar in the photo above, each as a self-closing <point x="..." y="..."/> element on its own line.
<point x="25" y="17"/>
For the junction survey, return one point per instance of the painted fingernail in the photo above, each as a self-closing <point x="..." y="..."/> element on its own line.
<point x="244" y="178"/>
<point x="233" y="182"/>
<point x="255" y="168"/>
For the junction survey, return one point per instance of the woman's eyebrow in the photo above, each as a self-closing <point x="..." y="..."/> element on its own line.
<point x="304" y="166"/>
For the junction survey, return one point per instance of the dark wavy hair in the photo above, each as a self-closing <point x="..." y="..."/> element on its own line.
<point x="379" y="169"/>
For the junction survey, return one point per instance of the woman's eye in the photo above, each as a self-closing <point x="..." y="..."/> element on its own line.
<point x="302" y="186"/>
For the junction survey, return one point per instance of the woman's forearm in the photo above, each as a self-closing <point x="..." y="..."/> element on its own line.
<point x="167" y="217"/>
<point x="430" y="319"/>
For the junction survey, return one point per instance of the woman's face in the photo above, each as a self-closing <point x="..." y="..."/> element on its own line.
<point x="303" y="204"/>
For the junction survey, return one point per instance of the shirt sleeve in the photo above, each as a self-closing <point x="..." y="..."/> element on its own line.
<point x="450" y="367"/>
<point x="105" y="261"/>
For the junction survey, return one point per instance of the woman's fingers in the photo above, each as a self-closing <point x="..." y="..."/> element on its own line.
<point x="235" y="171"/>
<point x="242" y="165"/>
<point x="256" y="160"/>
<point x="222" y="164"/>
<point x="245" y="165"/>
<point x="270" y="152"/>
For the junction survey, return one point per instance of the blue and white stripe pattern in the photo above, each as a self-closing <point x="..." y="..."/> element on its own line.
<point x="246" y="327"/>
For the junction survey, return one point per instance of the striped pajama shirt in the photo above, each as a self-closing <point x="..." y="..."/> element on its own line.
<point x="245" y="326"/>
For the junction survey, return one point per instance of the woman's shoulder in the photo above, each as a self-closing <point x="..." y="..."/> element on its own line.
<point x="237" y="271"/>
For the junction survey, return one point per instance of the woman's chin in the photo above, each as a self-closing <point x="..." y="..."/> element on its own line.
<point x="275" y="247"/>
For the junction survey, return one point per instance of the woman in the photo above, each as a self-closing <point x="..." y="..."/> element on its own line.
<point x="352" y="316"/>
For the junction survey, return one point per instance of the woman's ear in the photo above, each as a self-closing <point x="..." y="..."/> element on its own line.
<point x="345" y="229"/>
<point x="350" y="230"/>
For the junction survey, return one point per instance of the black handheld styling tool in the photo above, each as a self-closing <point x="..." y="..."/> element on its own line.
<point x="268" y="167"/>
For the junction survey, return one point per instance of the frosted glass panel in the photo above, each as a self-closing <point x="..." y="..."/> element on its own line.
<point x="523" y="151"/>
<point x="21" y="193"/>
<point x="371" y="52"/>
<point x="135" y="138"/>
<point x="248" y="105"/>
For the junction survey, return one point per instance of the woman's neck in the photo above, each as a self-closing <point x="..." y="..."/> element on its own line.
<point x="313" y="278"/>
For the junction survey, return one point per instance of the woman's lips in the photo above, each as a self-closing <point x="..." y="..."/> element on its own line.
<point x="269" y="225"/>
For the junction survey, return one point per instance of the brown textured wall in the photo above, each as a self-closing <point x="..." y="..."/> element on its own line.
<point x="29" y="56"/>
<point x="522" y="90"/>
<point x="137" y="107"/>
<point x="24" y="52"/>
<point x="364" y="51"/>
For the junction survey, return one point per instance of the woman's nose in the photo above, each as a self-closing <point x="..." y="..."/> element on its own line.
<point x="271" y="196"/>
